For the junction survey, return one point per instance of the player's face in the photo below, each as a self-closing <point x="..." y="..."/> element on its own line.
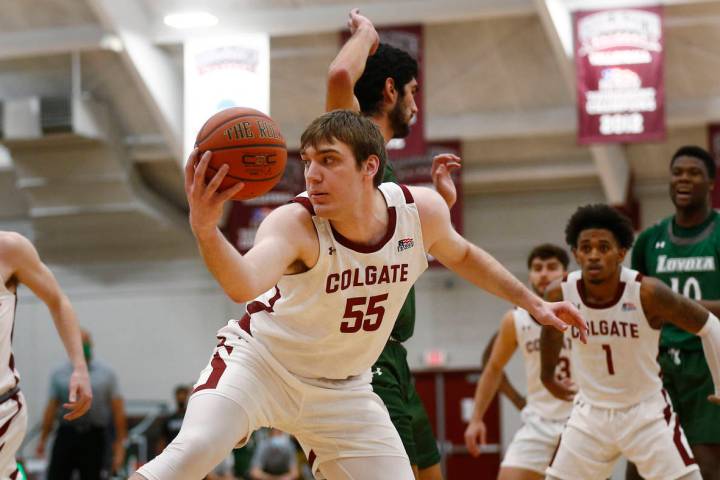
<point x="331" y="176"/>
<point x="598" y="255"/>
<point x="404" y="111"/>
<point x="544" y="272"/>
<point x="689" y="183"/>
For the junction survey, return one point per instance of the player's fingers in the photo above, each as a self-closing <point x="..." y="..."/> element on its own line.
<point x="483" y="439"/>
<point x="453" y="165"/>
<point x="226" y="195"/>
<point x="714" y="399"/>
<point x="471" y="444"/>
<point x="73" y="413"/>
<point x="190" y="168"/>
<point x="201" y="169"/>
<point x="216" y="180"/>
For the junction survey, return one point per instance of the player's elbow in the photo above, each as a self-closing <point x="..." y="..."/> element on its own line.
<point x="339" y="81"/>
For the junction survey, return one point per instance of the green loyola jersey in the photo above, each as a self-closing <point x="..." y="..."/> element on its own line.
<point x="687" y="260"/>
<point x="405" y="323"/>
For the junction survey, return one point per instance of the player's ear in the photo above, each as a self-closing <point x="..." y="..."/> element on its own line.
<point x="390" y="93"/>
<point x="574" y="252"/>
<point x="621" y="253"/>
<point x="371" y="166"/>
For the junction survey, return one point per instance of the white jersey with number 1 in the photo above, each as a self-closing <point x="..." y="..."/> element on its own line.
<point x="618" y="366"/>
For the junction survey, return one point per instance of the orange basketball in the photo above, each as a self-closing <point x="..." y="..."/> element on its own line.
<point x="250" y="143"/>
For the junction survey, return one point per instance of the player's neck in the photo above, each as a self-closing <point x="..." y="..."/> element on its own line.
<point x="367" y="222"/>
<point x="604" y="292"/>
<point x="382" y="120"/>
<point x="692" y="216"/>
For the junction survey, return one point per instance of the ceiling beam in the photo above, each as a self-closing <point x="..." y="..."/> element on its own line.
<point x="331" y="18"/>
<point x="157" y="78"/>
<point x="52" y="41"/>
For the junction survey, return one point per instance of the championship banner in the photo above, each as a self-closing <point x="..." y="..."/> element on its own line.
<point x="714" y="144"/>
<point x="619" y="66"/>
<point x="224" y="72"/>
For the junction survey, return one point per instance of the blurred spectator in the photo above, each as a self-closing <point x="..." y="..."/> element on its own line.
<point x="172" y="423"/>
<point x="275" y="457"/>
<point x="82" y="446"/>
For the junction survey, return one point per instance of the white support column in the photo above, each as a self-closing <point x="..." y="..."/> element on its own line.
<point x="154" y="73"/>
<point x="611" y="162"/>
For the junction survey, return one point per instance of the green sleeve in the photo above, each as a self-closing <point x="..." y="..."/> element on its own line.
<point x="637" y="261"/>
<point x="389" y="173"/>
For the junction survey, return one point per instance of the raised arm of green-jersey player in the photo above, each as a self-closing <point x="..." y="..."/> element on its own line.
<point x="502" y="350"/>
<point x="551" y="342"/>
<point x="349" y="64"/>
<point x="661" y="305"/>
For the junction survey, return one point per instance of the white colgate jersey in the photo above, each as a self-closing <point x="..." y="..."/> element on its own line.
<point x="9" y="376"/>
<point x="539" y="399"/>
<point x="332" y="321"/>
<point x="618" y="366"/>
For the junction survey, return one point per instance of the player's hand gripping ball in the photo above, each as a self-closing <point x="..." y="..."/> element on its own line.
<point x="250" y="143"/>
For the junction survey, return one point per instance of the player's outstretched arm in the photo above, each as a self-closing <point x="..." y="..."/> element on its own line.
<point x="551" y="342"/>
<point x="662" y="305"/>
<point x="503" y="348"/>
<point x="480" y="268"/>
<point x="243" y="277"/>
<point x="31" y="271"/>
<point x="349" y="63"/>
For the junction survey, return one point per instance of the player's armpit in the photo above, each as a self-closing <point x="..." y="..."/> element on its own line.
<point x="287" y="236"/>
<point x="661" y="305"/>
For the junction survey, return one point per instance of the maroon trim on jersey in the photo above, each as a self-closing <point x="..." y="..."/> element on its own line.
<point x="358" y="247"/>
<point x="557" y="447"/>
<point x="565" y="276"/>
<point x="686" y="456"/>
<point x="14" y="475"/>
<point x="600" y="306"/>
<point x="244" y="323"/>
<point x="406" y="191"/>
<point x="218" y="366"/>
<point x="6" y="425"/>
<point x="639" y="277"/>
<point x="311" y="458"/>
<point x="258" y="306"/>
<point x="305" y="202"/>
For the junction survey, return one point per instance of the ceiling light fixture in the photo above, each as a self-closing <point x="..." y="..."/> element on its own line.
<point x="183" y="20"/>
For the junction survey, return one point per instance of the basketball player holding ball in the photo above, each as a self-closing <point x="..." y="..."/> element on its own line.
<point x="324" y="282"/>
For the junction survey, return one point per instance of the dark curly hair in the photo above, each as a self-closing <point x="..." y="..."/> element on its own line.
<point x="698" y="153"/>
<point x="547" y="251"/>
<point x="387" y="62"/>
<point x="600" y="216"/>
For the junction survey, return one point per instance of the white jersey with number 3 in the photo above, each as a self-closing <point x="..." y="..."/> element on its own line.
<point x="332" y="321"/>
<point x="539" y="399"/>
<point x="618" y="366"/>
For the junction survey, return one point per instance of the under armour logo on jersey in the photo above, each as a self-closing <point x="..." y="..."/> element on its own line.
<point x="377" y="371"/>
<point x="405" y="243"/>
<point x="331" y="250"/>
<point x="660" y="244"/>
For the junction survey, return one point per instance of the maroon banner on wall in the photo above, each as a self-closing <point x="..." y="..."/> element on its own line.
<point x="714" y="148"/>
<point x="619" y="66"/>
